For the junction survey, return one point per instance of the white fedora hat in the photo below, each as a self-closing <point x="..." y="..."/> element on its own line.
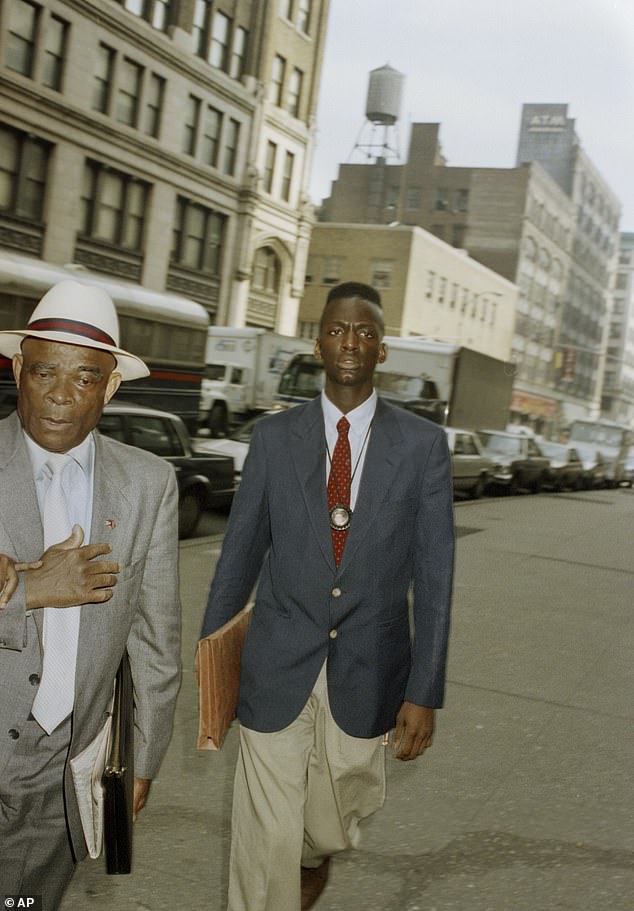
<point x="76" y="314"/>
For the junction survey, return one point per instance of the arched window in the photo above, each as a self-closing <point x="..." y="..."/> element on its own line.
<point x="266" y="271"/>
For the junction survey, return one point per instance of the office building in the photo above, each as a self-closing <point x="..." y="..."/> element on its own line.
<point x="166" y="143"/>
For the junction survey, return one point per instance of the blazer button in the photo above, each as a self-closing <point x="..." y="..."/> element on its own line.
<point x="336" y="593"/>
<point x="34" y="679"/>
<point x="333" y="633"/>
<point x="13" y="734"/>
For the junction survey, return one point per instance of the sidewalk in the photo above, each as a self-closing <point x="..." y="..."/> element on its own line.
<point x="525" y="803"/>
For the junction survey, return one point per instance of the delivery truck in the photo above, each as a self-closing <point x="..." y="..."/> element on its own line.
<point x="243" y="367"/>
<point x="448" y="384"/>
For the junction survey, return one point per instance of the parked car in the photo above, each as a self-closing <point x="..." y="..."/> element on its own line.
<point x="628" y="470"/>
<point x="472" y="470"/>
<point x="236" y="444"/>
<point x="205" y="479"/>
<point x="597" y="469"/>
<point x="519" y="462"/>
<point x="566" y="468"/>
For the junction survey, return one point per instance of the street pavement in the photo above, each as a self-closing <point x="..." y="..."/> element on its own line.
<point x="524" y="803"/>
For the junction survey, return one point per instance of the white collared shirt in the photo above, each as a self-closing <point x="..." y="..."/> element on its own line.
<point x="77" y="480"/>
<point x="360" y="419"/>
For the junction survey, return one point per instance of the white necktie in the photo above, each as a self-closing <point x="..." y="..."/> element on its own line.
<point x="56" y="693"/>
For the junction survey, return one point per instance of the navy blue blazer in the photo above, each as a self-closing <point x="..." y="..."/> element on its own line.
<point x="357" y="615"/>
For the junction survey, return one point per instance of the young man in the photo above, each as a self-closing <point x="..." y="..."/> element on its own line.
<point x="65" y="626"/>
<point x="336" y="520"/>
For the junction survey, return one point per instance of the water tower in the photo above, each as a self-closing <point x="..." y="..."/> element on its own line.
<point x="378" y="137"/>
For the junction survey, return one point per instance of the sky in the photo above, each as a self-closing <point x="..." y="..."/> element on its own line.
<point x="470" y="65"/>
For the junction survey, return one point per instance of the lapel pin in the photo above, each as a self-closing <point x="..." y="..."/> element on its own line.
<point x="110" y="523"/>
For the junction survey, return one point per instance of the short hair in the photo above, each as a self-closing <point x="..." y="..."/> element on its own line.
<point x="355" y="289"/>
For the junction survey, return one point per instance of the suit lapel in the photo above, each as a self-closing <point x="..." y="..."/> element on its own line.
<point x="112" y="505"/>
<point x="20" y="514"/>
<point x="379" y="468"/>
<point x="309" y="456"/>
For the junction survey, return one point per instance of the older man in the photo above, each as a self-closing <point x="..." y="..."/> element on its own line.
<point x="84" y="595"/>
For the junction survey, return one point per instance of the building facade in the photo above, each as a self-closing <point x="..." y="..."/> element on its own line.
<point x="427" y="287"/>
<point x="534" y="224"/>
<point x="164" y="142"/>
<point x="617" y="401"/>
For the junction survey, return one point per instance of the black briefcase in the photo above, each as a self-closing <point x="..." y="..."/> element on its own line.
<point x="118" y="776"/>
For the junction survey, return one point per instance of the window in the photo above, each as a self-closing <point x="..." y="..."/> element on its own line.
<point x="113" y="206"/>
<point x="431" y="281"/>
<point x="413" y="198"/>
<point x="458" y="233"/>
<point x="286" y="9"/>
<point x="219" y="46"/>
<point x="54" y="47"/>
<point x="23" y="167"/>
<point x="331" y="270"/>
<point x="287" y="176"/>
<point x="277" y="80"/>
<point x="269" y="166"/>
<point x="442" y="199"/>
<point x="465" y="300"/>
<point x="153" y="104"/>
<point x="266" y="271"/>
<point x="294" y="92"/>
<point x="232" y="140"/>
<point x="198" y="236"/>
<point x="21" y="36"/>
<point x="102" y="83"/>
<point x="200" y="27"/>
<point x="127" y="107"/>
<point x="381" y="273"/>
<point x="156" y="12"/>
<point x="453" y="300"/>
<point x="461" y="202"/>
<point x="211" y="136"/>
<point x="303" y="15"/>
<point x="442" y="289"/>
<point x="190" y="127"/>
<point x="238" y="53"/>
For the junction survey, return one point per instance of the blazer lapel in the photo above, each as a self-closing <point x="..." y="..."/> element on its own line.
<point x="381" y="463"/>
<point x="309" y="456"/>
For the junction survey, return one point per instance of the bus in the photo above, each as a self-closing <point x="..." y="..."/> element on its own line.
<point x="168" y="332"/>
<point x="608" y="439"/>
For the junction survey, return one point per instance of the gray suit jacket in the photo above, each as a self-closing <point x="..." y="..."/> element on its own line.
<point x="135" y="509"/>
<point x="356" y="615"/>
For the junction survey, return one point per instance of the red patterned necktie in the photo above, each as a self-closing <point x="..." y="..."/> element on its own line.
<point x="339" y="483"/>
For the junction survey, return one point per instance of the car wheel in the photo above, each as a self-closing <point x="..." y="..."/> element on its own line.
<point x="189" y="510"/>
<point x="537" y="484"/>
<point x="217" y="421"/>
<point x="514" y="486"/>
<point x="478" y="489"/>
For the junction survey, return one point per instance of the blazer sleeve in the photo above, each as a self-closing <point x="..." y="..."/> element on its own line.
<point x="434" y="544"/>
<point x="154" y="638"/>
<point x="246" y="541"/>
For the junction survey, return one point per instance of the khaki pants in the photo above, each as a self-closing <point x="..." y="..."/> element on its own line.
<point x="299" y="795"/>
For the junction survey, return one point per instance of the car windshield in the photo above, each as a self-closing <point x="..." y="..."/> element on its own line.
<point x="554" y="450"/>
<point x="497" y="443"/>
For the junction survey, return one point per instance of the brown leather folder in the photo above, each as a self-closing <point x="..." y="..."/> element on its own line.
<point x="218" y="672"/>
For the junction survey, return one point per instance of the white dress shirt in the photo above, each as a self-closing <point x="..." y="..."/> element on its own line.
<point x="360" y="419"/>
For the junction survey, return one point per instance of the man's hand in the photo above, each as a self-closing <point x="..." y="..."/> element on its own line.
<point x="9" y="576"/>
<point x="70" y="574"/>
<point x="141" y="791"/>
<point x="414" y="731"/>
